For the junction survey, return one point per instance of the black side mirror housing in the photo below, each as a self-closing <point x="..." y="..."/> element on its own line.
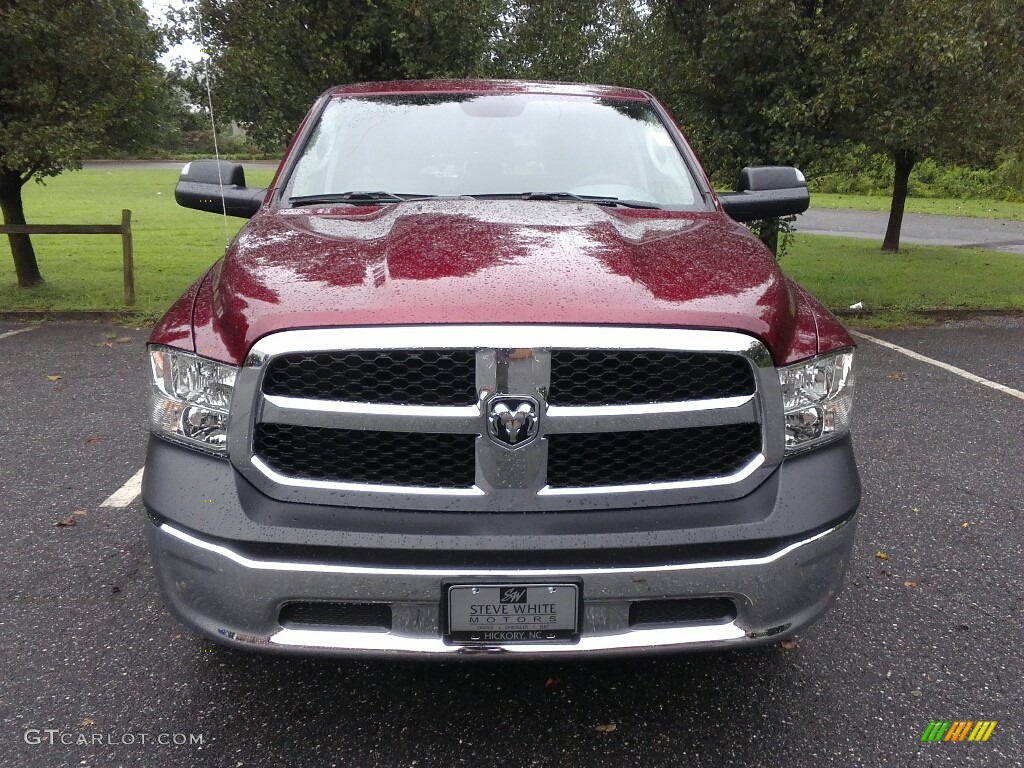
<point x="199" y="187"/>
<point x="767" y="192"/>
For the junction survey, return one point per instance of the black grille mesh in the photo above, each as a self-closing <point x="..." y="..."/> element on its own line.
<point x="364" y="456"/>
<point x="420" y="377"/>
<point x="599" y="377"/>
<point x="674" y="612"/>
<point x="651" y="456"/>
<point x="447" y="377"/>
<point x="368" y="615"/>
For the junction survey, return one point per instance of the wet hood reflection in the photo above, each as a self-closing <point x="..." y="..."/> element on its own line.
<point x="467" y="261"/>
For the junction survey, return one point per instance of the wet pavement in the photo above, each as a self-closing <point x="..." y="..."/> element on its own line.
<point x="930" y="626"/>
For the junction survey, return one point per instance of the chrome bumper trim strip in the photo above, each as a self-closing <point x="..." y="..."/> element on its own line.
<point x="331" y="485"/>
<point x="384" y="643"/>
<point x="629" y="418"/>
<point x="468" y="419"/>
<point x="511" y="337"/>
<point x="387" y="418"/>
<point x="512" y="573"/>
<point x="704" y="482"/>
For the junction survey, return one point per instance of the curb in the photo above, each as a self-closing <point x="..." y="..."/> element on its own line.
<point x="79" y="315"/>
<point x="935" y="314"/>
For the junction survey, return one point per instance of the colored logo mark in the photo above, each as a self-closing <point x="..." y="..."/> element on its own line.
<point x="958" y="730"/>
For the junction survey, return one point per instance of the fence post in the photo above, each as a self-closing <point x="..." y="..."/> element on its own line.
<point x="129" y="260"/>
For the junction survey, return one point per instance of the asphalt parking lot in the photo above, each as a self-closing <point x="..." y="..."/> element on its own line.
<point x="929" y="627"/>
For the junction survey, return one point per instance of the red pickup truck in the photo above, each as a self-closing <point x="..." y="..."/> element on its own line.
<point x="491" y="370"/>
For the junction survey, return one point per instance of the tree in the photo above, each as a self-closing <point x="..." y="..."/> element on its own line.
<point x="566" y="40"/>
<point x="924" y="78"/>
<point x="74" y="77"/>
<point x="780" y="81"/>
<point x="737" y="74"/>
<point x="732" y="71"/>
<point x="269" y="61"/>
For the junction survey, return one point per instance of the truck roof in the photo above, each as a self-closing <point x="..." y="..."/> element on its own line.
<point x="487" y="86"/>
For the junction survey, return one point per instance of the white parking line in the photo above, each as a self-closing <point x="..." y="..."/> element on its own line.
<point x="16" y="331"/>
<point x="944" y="366"/>
<point x="127" y="493"/>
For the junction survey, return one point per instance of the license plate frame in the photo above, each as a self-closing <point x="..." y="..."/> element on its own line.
<point x="546" y="612"/>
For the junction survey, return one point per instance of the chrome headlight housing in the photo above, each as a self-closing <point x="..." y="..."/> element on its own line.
<point x="817" y="397"/>
<point x="191" y="398"/>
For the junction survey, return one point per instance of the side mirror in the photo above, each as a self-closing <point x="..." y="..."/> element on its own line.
<point x="200" y="187"/>
<point x="767" y="192"/>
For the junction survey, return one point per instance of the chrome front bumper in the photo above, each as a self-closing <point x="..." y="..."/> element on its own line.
<point x="236" y="600"/>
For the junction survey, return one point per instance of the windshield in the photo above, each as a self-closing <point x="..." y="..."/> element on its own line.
<point x="377" y="148"/>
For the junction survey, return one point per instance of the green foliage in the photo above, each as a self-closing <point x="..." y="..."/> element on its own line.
<point x="1009" y="173"/>
<point x="269" y="61"/>
<point x="788" y="81"/>
<point x="75" y="78"/>
<point x="751" y="81"/>
<point x="565" y="40"/>
<point x="776" y="234"/>
<point x="928" y="78"/>
<point x="854" y="170"/>
<point x="924" y="79"/>
<point x="860" y="171"/>
<point x="731" y="71"/>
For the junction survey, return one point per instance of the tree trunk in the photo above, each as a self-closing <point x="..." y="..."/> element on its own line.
<point x="768" y="233"/>
<point x="21" y="245"/>
<point x="904" y="165"/>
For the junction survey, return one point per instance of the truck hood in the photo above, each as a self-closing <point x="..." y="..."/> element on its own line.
<point x="466" y="261"/>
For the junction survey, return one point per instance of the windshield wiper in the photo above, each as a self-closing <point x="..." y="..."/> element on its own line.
<point x="354" y="198"/>
<point x="595" y="199"/>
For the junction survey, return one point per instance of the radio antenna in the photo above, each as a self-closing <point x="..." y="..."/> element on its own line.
<point x="213" y="122"/>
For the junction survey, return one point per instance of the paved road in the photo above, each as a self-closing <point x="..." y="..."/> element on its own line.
<point x="922" y="228"/>
<point x="87" y="647"/>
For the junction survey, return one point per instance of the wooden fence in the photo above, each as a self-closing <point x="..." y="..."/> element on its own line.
<point x="124" y="229"/>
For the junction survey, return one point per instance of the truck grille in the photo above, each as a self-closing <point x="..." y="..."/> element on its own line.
<point x="611" y="377"/>
<point x="423" y="377"/>
<point x="424" y="417"/>
<point x="367" y="456"/>
<point x="447" y="377"/>
<point x="651" y="456"/>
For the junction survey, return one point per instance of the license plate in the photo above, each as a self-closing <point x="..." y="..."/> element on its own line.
<point x="512" y="613"/>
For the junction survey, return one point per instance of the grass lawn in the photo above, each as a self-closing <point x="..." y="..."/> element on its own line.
<point x="978" y="209"/>
<point x="842" y="271"/>
<point x="173" y="246"/>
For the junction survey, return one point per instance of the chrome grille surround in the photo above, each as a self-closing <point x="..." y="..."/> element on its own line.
<point x="515" y="360"/>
